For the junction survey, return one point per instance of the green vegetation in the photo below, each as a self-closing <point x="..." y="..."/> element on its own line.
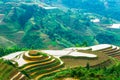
<point x="8" y="71"/>
<point x="6" y="51"/>
<point x="38" y="54"/>
<point x="108" y="8"/>
<point x="34" y="27"/>
<point x="87" y="73"/>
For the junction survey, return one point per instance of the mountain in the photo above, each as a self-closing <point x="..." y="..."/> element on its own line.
<point x="108" y="8"/>
<point x="39" y="25"/>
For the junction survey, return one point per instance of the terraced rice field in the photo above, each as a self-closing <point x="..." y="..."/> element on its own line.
<point x="36" y="64"/>
<point x="112" y="51"/>
<point x="102" y="51"/>
<point x="40" y="64"/>
<point x="8" y="72"/>
<point x="102" y="59"/>
<point x="117" y="57"/>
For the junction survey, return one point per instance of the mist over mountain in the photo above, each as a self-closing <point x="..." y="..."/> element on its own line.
<point x="44" y="24"/>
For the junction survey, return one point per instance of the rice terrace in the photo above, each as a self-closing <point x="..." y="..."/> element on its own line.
<point x="37" y="64"/>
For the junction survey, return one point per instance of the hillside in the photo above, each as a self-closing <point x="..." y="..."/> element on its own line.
<point x="40" y="25"/>
<point x="72" y="62"/>
<point x="108" y="8"/>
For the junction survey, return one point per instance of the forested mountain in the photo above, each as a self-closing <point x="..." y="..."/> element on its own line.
<point x="38" y="25"/>
<point x="108" y="8"/>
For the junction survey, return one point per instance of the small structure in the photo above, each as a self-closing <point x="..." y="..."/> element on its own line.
<point x="95" y="20"/>
<point x="115" y="26"/>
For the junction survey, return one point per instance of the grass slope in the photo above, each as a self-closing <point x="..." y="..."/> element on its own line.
<point x="9" y="71"/>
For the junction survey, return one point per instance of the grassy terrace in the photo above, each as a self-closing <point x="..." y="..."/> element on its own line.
<point x="39" y="57"/>
<point x="113" y="52"/>
<point x="46" y="70"/>
<point x="117" y="57"/>
<point x="8" y="72"/>
<point x="105" y="49"/>
<point x="82" y="61"/>
<point x="39" y="70"/>
<point x="35" y="62"/>
<point x="36" y="68"/>
<point x="40" y="64"/>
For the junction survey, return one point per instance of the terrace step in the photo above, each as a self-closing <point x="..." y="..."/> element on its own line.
<point x="23" y="78"/>
<point x="13" y="78"/>
<point x="35" y="62"/>
<point x="115" y="53"/>
<point x="39" y="64"/>
<point x="107" y="62"/>
<point x="17" y="77"/>
<point x="39" y="74"/>
<point x="27" y="57"/>
<point x="108" y="48"/>
<point x="117" y="57"/>
<point x="43" y="75"/>
<point x="3" y="68"/>
<point x="32" y="70"/>
<point x="108" y="52"/>
<point x="6" y="74"/>
<point x="13" y="73"/>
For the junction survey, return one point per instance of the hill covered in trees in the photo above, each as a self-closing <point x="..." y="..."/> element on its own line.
<point x="108" y="8"/>
<point x="38" y="25"/>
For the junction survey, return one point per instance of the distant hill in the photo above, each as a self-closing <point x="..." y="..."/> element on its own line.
<point x="108" y="8"/>
<point x="40" y="25"/>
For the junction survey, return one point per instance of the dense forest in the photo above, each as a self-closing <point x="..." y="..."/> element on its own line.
<point x="32" y="26"/>
<point x="6" y="51"/>
<point x="108" y="8"/>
